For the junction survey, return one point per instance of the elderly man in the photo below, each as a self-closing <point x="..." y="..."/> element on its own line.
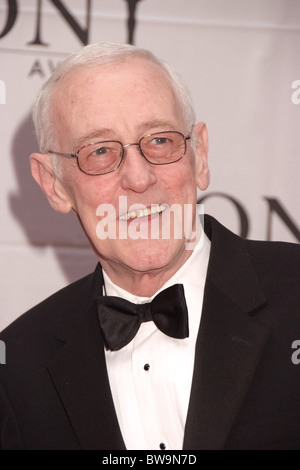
<point x="181" y="338"/>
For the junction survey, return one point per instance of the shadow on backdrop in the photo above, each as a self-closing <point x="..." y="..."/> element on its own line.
<point x="43" y="226"/>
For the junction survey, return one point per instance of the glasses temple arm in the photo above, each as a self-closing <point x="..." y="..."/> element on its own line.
<point x="64" y="154"/>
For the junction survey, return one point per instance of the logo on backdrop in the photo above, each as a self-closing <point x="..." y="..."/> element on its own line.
<point x="274" y="210"/>
<point x="82" y="32"/>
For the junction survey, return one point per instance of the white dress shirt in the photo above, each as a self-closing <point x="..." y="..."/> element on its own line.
<point x="151" y="377"/>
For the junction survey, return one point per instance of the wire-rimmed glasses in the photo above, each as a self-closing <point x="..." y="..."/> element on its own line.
<point x="100" y="158"/>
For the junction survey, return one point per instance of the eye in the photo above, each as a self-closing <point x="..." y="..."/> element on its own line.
<point x="159" y="141"/>
<point x="101" y="151"/>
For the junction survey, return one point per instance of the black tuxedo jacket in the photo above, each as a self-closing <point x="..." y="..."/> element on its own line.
<point x="54" y="389"/>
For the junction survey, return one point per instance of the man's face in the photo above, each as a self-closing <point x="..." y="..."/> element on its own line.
<point x="125" y="102"/>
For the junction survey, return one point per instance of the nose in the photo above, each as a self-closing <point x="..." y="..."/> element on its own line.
<point x="136" y="173"/>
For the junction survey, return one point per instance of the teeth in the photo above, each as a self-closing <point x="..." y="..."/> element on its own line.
<point x="154" y="209"/>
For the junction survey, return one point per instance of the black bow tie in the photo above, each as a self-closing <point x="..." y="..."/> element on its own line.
<point x="120" y="319"/>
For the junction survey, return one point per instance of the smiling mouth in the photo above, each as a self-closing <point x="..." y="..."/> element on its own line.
<point x="137" y="214"/>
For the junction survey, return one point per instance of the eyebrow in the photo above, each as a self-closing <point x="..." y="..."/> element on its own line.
<point x="106" y="133"/>
<point x="155" y="124"/>
<point x="91" y="136"/>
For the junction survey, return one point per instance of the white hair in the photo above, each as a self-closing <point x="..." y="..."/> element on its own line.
<point x="101" y="53"/>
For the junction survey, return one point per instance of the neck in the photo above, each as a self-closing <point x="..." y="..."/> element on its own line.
<point x="142" y="283"/>
<point x="144" y="271"/>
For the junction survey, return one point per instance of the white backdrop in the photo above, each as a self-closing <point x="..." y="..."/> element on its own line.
<point x="241" y="60"/>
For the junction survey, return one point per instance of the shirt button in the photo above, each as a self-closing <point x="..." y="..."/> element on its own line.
<point x="146" y="367"/>
<point x="162" y="446"/>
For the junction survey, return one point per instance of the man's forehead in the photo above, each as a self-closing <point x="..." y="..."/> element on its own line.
<point x="113" y="84"/>
<point x="136" y="91"/>
<point x="136" y="68"/>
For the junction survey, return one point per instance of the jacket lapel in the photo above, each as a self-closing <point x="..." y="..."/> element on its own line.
<point x="232" y="335"/>
<point x="83" y="386"/>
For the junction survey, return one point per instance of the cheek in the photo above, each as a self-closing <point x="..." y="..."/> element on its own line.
<point x="88" y="192"/>
<point x="183" y="179"/>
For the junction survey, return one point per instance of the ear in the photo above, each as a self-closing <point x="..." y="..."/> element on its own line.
<point x="43" y="172"/>
<point x="202" y="170"/>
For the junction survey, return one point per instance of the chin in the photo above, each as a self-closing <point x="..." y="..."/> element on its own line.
<point x="156" y="255"/>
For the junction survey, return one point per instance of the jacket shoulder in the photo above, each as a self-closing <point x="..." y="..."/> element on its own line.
<point x="279" y="257"/>
<point x="274" y="262"/>
<point x="269" y="252"/>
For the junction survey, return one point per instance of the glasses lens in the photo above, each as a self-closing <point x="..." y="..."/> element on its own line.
<point x="163" y="147"/>
<point x="100" y="158"/>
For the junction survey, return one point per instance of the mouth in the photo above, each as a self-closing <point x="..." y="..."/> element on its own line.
<point x="146" y="212"/>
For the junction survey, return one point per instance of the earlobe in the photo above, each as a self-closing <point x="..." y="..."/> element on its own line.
<point x="43" y="173"/>
<point x="202" y="170"/>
